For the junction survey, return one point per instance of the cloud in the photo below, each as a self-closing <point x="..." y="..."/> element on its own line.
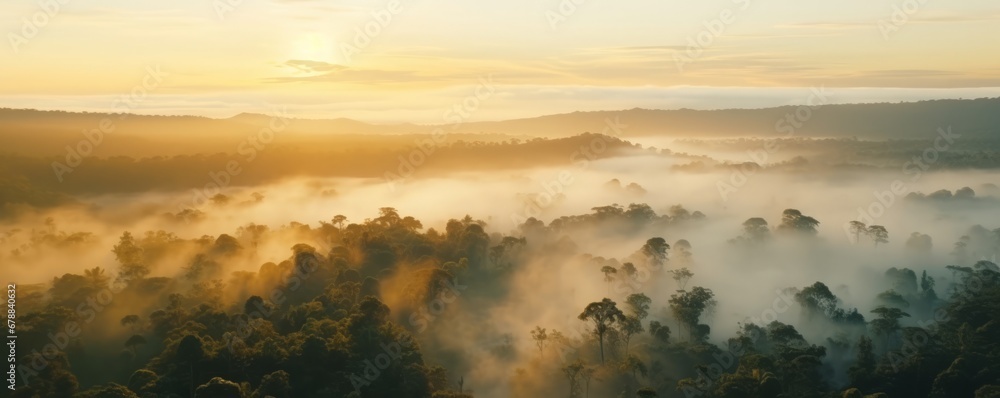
<point x="979" y="17"/>
<point x="909" y="73"/>
<point x="923" y="18"/>
<point x="826" y="25"/>
<point x="313" y="66"/>
<point x="340" y="74"/>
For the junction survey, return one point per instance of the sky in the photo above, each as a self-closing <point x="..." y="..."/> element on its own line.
<point x="410" y="61"/>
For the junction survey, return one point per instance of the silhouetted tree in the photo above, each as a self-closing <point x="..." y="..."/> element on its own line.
<point x="540" y="338"/>
<point x="604" y="314"/>
<point x="858" y="228"/>
<point x="794" y="221"/>
<point x="879" y="234"/>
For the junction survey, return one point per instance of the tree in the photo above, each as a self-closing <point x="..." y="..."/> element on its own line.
<point x="573" y="372"/>
<point x="628" y="327"/>
<point x="131" y="321"/>
<point x="540" y="338"/>
<point x="277" y="385"/>
<point x="927" y="288"/>
<point x="655" y="252"/>
<point x="919" y="243"/>
<point x="134" y="341"/>
<point x="681" y="276"/>
<point x="646" y="392"/>
<point x="879" y="234"/>
<point x="634" y="367"/>
<point x="687" y="307"/>
<point x="609" y="273"/>
<point x="629" y="270"/>
<point x="96" y="277"/>
<point x="862" y="373"/>
<point x="638" y="305"/>
<point x="817" y="299"/>
<point x="857" y="228"/>
<point x="892" y="298"/>
<point x="588" y="374"/>
<point x="682" y="251"/>
<point x="659" y="331"/>
<point x="143" y="381"/>
<point x="604" y="314"/>
<point x="190" y="351"/>
<point x="219" y="388"/>
<point x="756" y="230"/>
<point x="793" y="220"/>
<point x="130" y="257"/>
<point x="887" y="322"/>
<point x="507" y="245"/>
<point x="110" y="390"/>
<point x="339" y="220"/>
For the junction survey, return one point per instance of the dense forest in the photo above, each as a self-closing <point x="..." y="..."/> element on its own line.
<point x="385" y="311"/>
<point x="602" y="264"/>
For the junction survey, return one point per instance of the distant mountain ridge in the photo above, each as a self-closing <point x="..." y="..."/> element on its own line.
<point x="872" y="120"/>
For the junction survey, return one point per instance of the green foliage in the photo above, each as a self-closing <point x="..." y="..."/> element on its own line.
<point x="687" y="308"/>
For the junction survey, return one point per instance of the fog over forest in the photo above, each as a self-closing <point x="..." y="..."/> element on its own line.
<point x="605" y="263"/>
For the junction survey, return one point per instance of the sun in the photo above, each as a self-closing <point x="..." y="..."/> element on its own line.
<point x="314" y="47"/>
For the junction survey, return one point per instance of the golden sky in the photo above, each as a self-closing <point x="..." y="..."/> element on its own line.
<point x="416" y="58"/>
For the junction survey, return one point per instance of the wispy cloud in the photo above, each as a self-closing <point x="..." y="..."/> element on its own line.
<point x="313" y="66"/>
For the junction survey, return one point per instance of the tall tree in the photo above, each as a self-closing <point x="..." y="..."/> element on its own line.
<point x="887" y="322"/>
<point x="857" y="228"/>
<point x="628" y="327"/>
<point x="604" y="314"/>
